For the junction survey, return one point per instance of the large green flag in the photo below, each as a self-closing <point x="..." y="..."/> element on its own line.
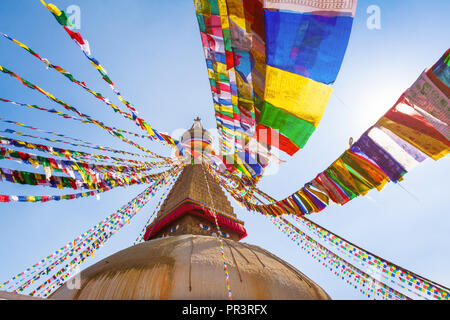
<point x="297" y="130"/>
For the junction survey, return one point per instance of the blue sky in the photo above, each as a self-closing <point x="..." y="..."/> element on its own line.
<point x="152" y="51"/>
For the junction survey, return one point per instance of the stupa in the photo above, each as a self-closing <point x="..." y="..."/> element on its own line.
<point x="181" y="259"/>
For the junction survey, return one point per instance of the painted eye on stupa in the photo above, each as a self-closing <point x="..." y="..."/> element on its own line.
<point x="174" y="228"/>
<point x="207" y="228"/>
<point x="224" y="234"/>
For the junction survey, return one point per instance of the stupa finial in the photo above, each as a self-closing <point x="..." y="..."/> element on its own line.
<point x="197" y="123"/>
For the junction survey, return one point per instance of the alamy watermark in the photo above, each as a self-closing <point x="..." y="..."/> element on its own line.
<point x="74" y="14"/>
<point x="74" y="283"/>
<point x="374" y="20"/>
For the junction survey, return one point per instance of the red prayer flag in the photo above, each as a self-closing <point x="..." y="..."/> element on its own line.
<point x="75" y="36"/>
<point x="266" y="135"/>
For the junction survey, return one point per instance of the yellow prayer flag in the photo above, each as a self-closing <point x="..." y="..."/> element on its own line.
<point x="98" y="67"/>
<point x="20" y="44"/>
<point x="245" y="88"/>
<point x="223" y="12"/>
<point x="51" y="7"/>
<point x="234" y="100"/>
<point x="169" y="139"/>
<point x="227" y="109"/>
<point x="148" y="129"/>
<point x="294" y="206"/>
<point x="236" y="12"/>
<point x="211" y="74"/>
<point x="433" y="148"/>
<point x="300" y="96"/>
<point x="344" y="175"/>
<point x="221" y="68"/>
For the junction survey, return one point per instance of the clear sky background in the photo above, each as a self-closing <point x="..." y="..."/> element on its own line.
<point x="152" y="51"/>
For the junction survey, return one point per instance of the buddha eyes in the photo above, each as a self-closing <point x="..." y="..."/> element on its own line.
<point x="204" y="227"/>
<point x="208" y="228"/>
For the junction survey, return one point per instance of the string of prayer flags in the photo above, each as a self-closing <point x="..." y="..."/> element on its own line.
<point x="73" y="109"/>
<point x="68" y="76"/>
<point x="408" y="124"/>
<point x="124" y="217"/>
<point x="62" y="19"/>
<point x="414" y="129"/>
<point x="60" y="16"/>
<point x="66" y="116"/>
<point x="397" y="282"/>
<point x="215" y="31"/>
<point x="361" y="278"/>
<point x="60" y="182"/>
<point x="414" y="284"/>
<point x="80" y="83"/>
<point x="84" y="246"/>
<point x="358" y="278"/>
<point x="86" y="172"/>
<point x="220" y="233"/>
<point x="44" y="266"/>
<point x="42" y="199"/>
<point x="85" y="144"/>
<point x="367" y="284"/>
<point x="71" y="154"/>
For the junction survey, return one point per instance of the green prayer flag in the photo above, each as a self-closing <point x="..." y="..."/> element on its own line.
<point x="63" y="19"/>
<point x="297" y="130"/>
